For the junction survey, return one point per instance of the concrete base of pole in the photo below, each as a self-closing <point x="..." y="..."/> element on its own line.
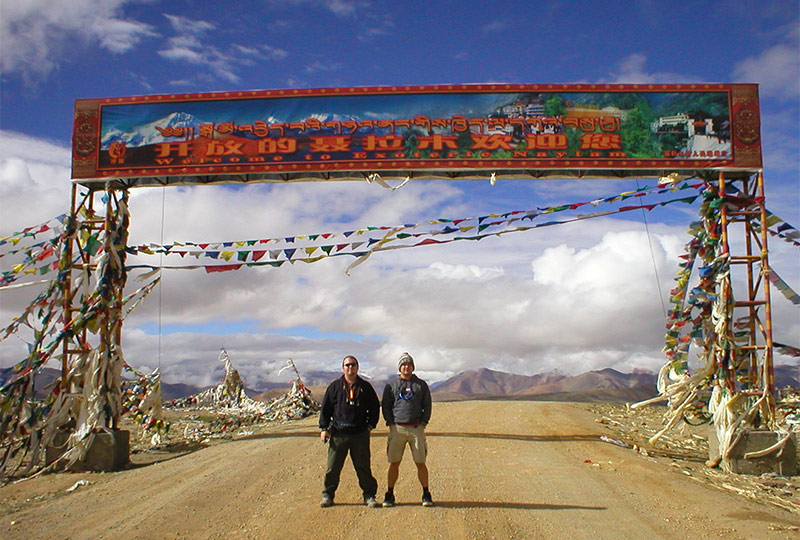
<point x="109" y="451"/>
<point x="781" y="461"/>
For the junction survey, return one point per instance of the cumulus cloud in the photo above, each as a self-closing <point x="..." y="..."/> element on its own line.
<point x="631" y="69"/>
<point x="777" y="68"/>
<point x="453" y="316"/>
<point x="34" y="180"/>
<point x="35" y="33"/>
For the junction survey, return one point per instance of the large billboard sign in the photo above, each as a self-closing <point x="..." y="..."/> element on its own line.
<point x="398" y="131"/>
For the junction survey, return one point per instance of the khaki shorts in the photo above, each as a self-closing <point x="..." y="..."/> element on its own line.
<point x="399" y="436"/>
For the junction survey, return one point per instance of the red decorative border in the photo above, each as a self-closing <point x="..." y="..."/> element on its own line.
<point x="423" y="89"/>
<point x="439" y="165"/>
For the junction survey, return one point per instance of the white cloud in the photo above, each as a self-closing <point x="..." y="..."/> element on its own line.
<point x="189" y="45"/>
<point x="495" y="26"/>
<point x="344" y="7"/>
<point x="631" y="69"/>
<point x="34" y="180"/>
<point x="35" y="35"/>
<point x="460" y="272"/>
<point x="182" y="53"/>
<point x="776" y="69"/>
<point x="374" y="22"/>
<point x="185" y="25"/>
<point x="376" y="25"/>
<point x="261" y="51"/>
<point x="781" y="151"/>
<point x="294" y="82"/>
<point x="318" y="66"/>
<point x="282" y="26"/>
<point x="275" y="53"/>
<point x="340" y="8"/>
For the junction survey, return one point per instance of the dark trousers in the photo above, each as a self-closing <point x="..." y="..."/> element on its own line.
<point x="357" y="445"/>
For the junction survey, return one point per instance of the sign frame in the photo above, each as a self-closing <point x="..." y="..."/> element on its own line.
<point x="519" y="140"/>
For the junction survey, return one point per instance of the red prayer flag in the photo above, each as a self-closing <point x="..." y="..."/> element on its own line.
<point x="222" y="268"/>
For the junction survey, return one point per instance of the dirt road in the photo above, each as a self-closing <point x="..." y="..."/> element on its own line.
<point x="518" y="470"/>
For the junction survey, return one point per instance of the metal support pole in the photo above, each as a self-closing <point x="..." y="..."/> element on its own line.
<point x="80" y="274"/>
<point x="67" y="286"/>
<point x="115" y="240"/>
<point x="769" y="373"/>
<point x="747" y="209"/>
<point x="728" y="360"/>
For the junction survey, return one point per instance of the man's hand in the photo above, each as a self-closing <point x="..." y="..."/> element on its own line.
<point x="324" y="436"/>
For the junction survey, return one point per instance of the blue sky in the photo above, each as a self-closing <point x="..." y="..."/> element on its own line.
<point x="576" y="297"/>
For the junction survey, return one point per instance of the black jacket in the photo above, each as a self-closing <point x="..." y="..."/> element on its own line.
<point x="343" y="414"/>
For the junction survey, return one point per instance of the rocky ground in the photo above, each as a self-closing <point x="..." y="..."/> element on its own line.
<point x="685" y="448"/>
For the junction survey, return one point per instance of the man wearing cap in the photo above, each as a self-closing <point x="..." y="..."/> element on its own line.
<point x="350" y="410"/>
<point x="406" y="408"/>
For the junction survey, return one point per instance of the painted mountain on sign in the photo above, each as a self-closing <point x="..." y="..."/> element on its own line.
<point x="148" y="134"/>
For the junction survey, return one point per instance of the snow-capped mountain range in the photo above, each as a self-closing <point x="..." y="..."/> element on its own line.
<point x="148" y="134"/>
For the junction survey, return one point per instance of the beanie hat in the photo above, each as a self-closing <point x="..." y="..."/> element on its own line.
<point x="405" y="358"/>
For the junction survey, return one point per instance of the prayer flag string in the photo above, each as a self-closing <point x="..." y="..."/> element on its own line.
<point x="315" y="247"/>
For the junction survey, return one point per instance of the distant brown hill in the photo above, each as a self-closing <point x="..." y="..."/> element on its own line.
<point x="787" y="375"/>
<point x="595" y="395"/>
<point x="602" y="379"/>
<point x="604" y="384"/>
<point x="485" y="381"/>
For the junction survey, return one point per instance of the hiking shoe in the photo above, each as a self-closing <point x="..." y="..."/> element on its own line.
<point x="371" y="502"/>
<point x="326" y="501"/>
<point x="388" y="500"/>
<point x="427" y="500"/>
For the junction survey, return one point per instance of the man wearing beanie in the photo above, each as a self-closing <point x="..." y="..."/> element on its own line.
<point x="406" y="408"/>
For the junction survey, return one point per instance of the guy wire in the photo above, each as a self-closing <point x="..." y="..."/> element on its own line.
<point x="652" y="255"/>
<point x="161" y="265"/>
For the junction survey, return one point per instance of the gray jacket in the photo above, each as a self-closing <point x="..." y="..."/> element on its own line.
<point x="406" y="402"/>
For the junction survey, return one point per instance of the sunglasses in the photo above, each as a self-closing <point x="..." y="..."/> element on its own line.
<point x="351" y="365"/>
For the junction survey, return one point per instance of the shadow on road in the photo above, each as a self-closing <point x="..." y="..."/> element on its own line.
<point x="515" y="506"/>
<point x="173" y="451"/>
<point x="282" y="435"/>
<point x="168" y="452"/>
<point x="456" y="434"/>
<point x="515" y="436"/>
<point x="487" y="504"/>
